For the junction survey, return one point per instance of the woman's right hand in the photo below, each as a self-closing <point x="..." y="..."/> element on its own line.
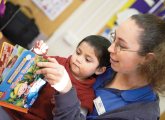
<point x="55" y="74"/>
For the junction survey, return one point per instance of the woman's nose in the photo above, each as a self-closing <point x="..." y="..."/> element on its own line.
<point x="111" y="48"/>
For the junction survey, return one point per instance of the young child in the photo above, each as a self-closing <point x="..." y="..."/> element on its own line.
<point x="90" y="59"/>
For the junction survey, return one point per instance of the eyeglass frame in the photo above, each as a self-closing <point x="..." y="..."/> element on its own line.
<point x="117" y="47"/>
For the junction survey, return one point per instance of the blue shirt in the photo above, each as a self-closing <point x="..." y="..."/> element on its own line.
<point x="113" y="98"/>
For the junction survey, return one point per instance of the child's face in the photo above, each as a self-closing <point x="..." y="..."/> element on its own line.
<point x="84" y="62"/>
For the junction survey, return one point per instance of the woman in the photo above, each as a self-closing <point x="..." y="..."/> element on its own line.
<point x="128" y="91"/>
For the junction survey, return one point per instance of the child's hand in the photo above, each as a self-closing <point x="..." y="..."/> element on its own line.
<point x="40" y="48"/>
<point x="55" y="74"/>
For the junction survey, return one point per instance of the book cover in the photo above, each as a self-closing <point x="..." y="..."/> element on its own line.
<point x="17" y="50"/>
<point x="4" y="55"/>
<point x="21" y="85"/>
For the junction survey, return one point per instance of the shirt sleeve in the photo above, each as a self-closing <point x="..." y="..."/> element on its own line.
<point x="67" y="106"/>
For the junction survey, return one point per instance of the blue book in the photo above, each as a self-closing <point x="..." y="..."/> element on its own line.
<point x="21" y="85"/>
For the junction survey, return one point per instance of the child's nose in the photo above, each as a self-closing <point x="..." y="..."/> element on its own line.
<point x="79" y="59"/>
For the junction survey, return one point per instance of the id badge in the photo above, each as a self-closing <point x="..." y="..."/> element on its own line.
<point x="99" y="105"/>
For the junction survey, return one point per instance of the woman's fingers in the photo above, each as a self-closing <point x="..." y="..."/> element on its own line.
<point x="52" y="78"/>
<point x="52" y="63"/>
<point x="55" y="71"/>
<point x="46" y="70"/>
<point x="49" y="76"/>
<point x="46" y="64"/>
<point x="52" y="60"/>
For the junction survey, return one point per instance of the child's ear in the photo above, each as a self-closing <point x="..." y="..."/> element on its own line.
<point x="100" y="70"/>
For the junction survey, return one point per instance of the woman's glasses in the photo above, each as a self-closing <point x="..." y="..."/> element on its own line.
<point x="117" y="47"/>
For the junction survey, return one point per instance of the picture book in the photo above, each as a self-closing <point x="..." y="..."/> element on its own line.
<point x="4" y="55"/>
<point x="17" y="50"/>
<point x="20" y="85"/>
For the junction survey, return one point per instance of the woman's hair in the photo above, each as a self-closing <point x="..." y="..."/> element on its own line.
<point x="100" y="45"/>
<point x="152" y="40"/>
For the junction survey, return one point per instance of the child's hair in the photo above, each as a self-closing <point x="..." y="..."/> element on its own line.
<point x="100" y="45"/>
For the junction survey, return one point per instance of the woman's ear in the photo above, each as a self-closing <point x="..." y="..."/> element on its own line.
<point x="100" y="70"/>
<point x="149" y="57"/>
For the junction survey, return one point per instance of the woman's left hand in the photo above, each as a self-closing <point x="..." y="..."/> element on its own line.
<point x="55" y="74"/>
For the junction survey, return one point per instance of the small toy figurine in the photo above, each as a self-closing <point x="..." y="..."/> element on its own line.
<point x="40" y="48"/>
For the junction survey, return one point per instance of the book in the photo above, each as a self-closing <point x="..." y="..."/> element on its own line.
<point x="4" y="55"/>
<point x="20" y="85"/>
<point x="17" y="50"/>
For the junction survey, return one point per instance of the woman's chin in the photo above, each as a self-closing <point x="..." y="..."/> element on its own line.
<point x="114" y="68"/>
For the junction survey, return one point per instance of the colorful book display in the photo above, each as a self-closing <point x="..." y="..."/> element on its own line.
<point x="20" y="85"/>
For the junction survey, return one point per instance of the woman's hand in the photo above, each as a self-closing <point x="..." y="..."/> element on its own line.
<point x="55" y="74"/>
